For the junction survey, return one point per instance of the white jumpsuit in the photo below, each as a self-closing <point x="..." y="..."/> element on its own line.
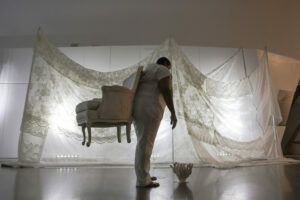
<point x="148" y="111"/>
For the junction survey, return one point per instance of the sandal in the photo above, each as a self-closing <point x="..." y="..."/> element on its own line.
<point x="150" y="185"/>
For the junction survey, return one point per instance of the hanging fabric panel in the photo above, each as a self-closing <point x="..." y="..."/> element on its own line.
<point x="228" y="120"/>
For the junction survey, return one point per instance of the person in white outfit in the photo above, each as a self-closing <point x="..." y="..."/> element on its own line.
<point x="153" y="94"/>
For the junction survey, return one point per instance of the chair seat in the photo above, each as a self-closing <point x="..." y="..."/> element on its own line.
<point x="92" y="117"/>
<point x="88" y="105"/>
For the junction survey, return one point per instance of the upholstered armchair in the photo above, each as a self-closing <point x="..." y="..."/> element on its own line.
<point x="113" y="110"/>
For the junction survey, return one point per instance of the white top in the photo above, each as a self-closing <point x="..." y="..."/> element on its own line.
<point x="148" y="94"/>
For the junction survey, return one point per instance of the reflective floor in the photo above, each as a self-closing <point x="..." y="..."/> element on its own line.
<point x="270" y="182"/>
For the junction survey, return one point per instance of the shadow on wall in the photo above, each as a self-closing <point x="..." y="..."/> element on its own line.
<point x="285" y="72"/>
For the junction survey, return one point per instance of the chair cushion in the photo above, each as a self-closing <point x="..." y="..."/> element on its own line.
<point x="92" y="117"/>
<point x="88" y="105"/>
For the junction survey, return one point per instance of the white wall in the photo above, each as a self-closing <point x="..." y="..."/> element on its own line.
<point x="13" y="85"/>
<point x="15" y="64"/>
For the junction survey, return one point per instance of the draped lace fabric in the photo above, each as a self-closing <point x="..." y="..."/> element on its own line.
<point x="228" y="120"/>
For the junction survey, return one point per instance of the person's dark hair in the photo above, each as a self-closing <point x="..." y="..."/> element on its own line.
<point x="163" y="61"/>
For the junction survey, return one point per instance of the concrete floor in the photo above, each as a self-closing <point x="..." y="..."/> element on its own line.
<point x="270" y="182"/>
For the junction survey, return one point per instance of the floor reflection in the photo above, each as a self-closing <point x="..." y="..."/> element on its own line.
<point x="260" y="182"/>
<point x="290" y="182"/>
<point x="143" y="194"/>
<point x="183" y="192"/>
<point x="28" y="184"/>
<point x="73" y="183"/>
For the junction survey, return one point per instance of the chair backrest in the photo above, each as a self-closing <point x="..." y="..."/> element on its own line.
<point x="133" y="80"/>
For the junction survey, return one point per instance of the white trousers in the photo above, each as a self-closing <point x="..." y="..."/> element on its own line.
<point x="146" y="129"/>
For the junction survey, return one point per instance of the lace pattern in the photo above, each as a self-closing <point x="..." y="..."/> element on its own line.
<point x="203" y="104"/>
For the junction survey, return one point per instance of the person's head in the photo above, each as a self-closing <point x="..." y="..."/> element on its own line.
<point x="164" y="61"/>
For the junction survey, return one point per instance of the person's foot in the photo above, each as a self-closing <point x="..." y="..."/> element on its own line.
<point x="153" y="178"/>
<point x="150" y="185"/>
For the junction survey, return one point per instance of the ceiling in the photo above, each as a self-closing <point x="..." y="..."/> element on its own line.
<point x="230" y="23"/>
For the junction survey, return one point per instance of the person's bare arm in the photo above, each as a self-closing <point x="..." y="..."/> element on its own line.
<point x="164" y="87"/>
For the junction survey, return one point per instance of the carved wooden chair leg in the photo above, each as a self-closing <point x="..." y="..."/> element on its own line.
<point x="119" y="133"/>
<point x="89" y="136"/>
<point x="128" y="130"/>
<point x="83" y="133"/>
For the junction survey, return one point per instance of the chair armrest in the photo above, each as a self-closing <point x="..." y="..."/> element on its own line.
<point x="117" y="102"/>
<point x="88" y="105"/>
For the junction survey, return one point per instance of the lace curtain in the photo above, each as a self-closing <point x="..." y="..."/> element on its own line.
<point x="228" y="120"/>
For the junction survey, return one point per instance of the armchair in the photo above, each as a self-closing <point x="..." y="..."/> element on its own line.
<point x="113" y="110"/>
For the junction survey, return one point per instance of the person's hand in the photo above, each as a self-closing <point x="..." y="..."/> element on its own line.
<point x="173" y="120"/>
